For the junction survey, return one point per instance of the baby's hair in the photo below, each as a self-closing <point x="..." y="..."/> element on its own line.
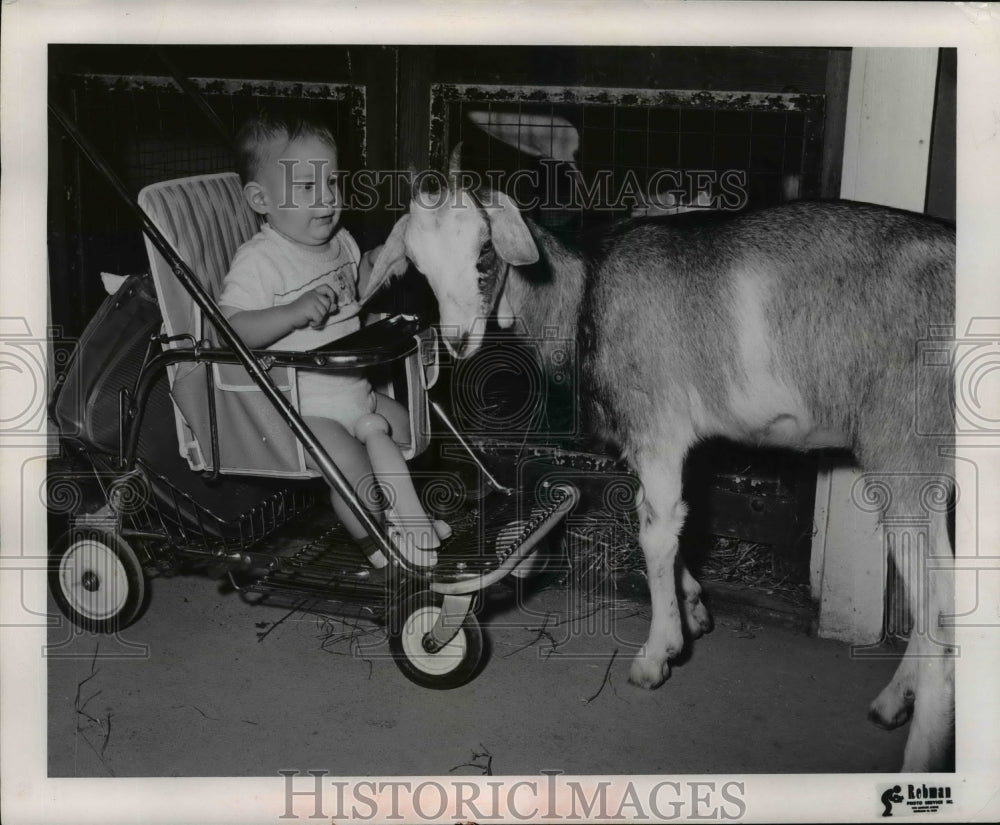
<point x="253" y="138"/>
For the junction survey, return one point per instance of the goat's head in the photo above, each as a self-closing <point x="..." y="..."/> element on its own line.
<point x="462" y="241"/>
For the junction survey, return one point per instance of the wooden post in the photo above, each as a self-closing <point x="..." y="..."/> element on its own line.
<point x="890" y="107"/>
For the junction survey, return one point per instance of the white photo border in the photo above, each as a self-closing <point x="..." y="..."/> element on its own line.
<point x="29" y="27"/>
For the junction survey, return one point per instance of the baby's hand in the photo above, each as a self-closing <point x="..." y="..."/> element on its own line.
<point x="313" y="307"/>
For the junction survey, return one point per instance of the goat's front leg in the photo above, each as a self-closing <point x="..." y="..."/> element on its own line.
<point x="661" y="516"/>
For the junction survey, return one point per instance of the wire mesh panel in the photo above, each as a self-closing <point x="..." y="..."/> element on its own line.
<point x="156" y="133"/>
<point x="635" y="144"/>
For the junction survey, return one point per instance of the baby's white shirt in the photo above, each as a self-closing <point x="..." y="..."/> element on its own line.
<point x="269" y="270"/>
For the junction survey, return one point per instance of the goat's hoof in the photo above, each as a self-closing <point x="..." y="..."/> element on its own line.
<point x="699" y="620"/>
<point x="889" y="712"/>
<point x="649" y="673"/>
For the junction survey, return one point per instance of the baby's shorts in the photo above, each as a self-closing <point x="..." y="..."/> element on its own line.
<point x="342" y="396"/>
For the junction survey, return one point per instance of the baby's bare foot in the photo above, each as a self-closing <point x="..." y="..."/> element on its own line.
<point x="413" y="547"/>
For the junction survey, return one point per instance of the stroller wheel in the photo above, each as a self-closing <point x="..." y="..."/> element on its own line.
<point x="96" y="579"/>
<point x="453" y="665"/>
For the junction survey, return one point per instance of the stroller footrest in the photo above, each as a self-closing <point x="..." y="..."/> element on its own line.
<point x="507" y="531"/>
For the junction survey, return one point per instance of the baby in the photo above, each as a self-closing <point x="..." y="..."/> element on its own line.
<point x="294" y="286"/>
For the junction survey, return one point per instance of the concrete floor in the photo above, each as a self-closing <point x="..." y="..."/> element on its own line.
<point x="205" y="684"/>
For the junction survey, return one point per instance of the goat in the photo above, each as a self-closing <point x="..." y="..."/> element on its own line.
<point x="796" y="326"/>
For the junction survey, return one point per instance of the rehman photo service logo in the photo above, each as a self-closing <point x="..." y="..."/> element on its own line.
<point x="549" y="798"/>
<point x="906" y="799"/>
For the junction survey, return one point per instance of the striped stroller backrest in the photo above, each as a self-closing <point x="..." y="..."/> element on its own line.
<point x="206" y="219"/>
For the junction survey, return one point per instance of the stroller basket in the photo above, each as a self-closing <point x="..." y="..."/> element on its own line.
<point x="149" y="505"/>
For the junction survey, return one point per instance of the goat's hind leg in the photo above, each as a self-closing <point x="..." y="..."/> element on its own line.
<point x="923" y="686"/>
<point x="894" y="705"/>
<point x="696" y="616"/>
<point x="930" y="745"/>
<point x="661" y="515"/>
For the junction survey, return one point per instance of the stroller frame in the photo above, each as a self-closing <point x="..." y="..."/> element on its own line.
<point x="433" y="633"/>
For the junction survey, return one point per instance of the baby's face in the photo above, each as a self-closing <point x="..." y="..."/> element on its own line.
<point x="299" y="185"/>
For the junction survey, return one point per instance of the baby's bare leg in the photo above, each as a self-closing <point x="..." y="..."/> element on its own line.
<point x="399" y="423"/>
<point x="413" y="532"/>
<point x="397" y="416"/>
<point x="352" y="458"/>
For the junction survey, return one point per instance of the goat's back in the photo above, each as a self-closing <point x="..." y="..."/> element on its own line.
<point x="798" y="325"/>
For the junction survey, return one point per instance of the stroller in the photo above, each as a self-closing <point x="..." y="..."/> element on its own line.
<point x="196" y="452"/>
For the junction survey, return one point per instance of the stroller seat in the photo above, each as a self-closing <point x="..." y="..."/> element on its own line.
<point x="218" y="408"/>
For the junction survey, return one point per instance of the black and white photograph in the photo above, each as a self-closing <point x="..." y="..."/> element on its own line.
<point x="665" y="495"/>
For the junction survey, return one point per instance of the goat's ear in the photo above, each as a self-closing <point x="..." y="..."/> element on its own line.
<point x="511" y="237"/>
<point x="391" y="261"/>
